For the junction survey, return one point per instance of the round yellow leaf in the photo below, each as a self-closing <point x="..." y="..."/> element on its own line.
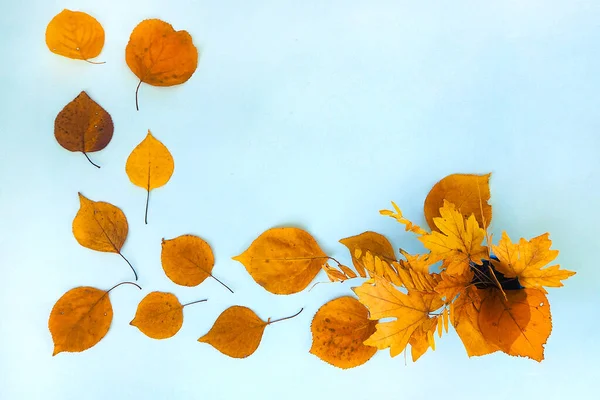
<point x="187" y="260"/>
<point x="75" y="34"/>
<point x="159" y="315"/>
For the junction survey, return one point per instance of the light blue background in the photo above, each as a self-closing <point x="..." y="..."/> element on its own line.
<point x="307" y="113"/>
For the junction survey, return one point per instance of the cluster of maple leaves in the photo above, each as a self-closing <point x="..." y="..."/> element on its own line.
<point x="493" y="295"/>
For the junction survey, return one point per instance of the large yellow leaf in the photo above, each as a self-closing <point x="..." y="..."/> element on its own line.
<point x="149" y="166"/>
<point x="339" y="329"/>
<point x="458" y="242"/>
<point x="237" y="332"/>
<point x="283" y="260"/>
<point x="519" y="324"/>
<point x="160" y="56"/>
<point x="526" y="261"/>
<point x="75" y="34"/>
<point x="83" y="125"/>
<point x="101" y="226"/>
<point x="373" y="242"/>
<point x="470" y="193"/>
<point x="409" y="310"/>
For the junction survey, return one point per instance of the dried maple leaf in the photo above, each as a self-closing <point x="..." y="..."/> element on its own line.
<point x="422" y="338"/>
<point x="374" y="242"/>
<point x="470" y="193"/>
<point x="81" y="318"/>
<point x="237" y="332"/>
<point x="160" y="56"/>
<point x="75" y="34"/>
<point x="339" y="329"/>
<point x="101" y="226"/>
<point x="149" y="166"/>
<point x="160" y="315"/>
<point x="526" y="261"/>
<point x="82" y="125"/>
<point x="519" y="324"/>
<point x="410" y="311"/>
<point x="188" y="260"/>
<point x="449" y="286"/>
<point x="458" y="243"/>
<point x="283" y="260"/>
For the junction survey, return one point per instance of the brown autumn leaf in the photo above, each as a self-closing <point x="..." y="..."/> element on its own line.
<point x="283" y="260"/>
<point x="149" y="166"/>
<point x="519" y="325"/>
<point x="81" y="318"/>
<point x="374" y="242"/>
<point x="470" y="193"/>
<point x="237" y="332"/>
<point x="160" y="315"/>
<point x="82" y="125"/>
<point x="101" y="226"/>
<point x="458" y="242"/>
<point x="188" y="260"/>
<point x="410" y="311"/>
<point x="160" y="56"/>
<point x="526" y="261"/>
<point x="75" y="34"/>
<point x="339" y="329"/>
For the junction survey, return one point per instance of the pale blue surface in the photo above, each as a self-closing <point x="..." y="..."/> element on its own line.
<point x="310" y="113"/>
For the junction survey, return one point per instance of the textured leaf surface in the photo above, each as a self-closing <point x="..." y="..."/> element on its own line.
<point x="75" y="34"/>
<point x="159" y="315"/>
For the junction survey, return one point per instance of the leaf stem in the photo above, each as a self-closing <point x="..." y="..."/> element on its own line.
<point x="134" y="273"/>
<point x="193" y="302"/>
<point x="137" y="107"/>
<point x="147" y="200"/>
<point x="88" y="158"/>
<point x="283" y="319"/>
<point x="95" y="62"/>
<point x="123" y="283"/>
<point x="227" y="287"/>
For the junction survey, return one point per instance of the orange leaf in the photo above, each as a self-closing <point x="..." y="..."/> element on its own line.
<point x="160" y="56"/>
<point x="82" y="125"/>
<point x="100" y="226"/>
<point x="75" y="34"/>
<point x="237" y="332"/>
<point x="520" y="325"/>
<point x="397" y="215"/>
<point x="283" y="260"/>
<point x="149" y="166"/>
<point x="422" y="338"/>
<point x="374" y="242"/>
<point x="526" y="260"/>
<point x="459" y="242"/>
<point x="409" y="310"/>
<point x="451" y="285"/>
<point x="339" y="329"/>
<point x="470" y="193"/>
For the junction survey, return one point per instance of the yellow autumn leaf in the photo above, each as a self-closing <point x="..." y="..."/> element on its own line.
<point x="149" y="166"/>
<point x="526" y="261"/>
<point x="374" y="242"/>
<point x="75" y="34"/>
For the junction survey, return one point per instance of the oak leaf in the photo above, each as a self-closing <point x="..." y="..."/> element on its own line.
<point x="237" y="332"/>
<point x="470" y="193"/>
<point x="160" y="56"/>
<point x="374" y="242"/>
<point x="339" y="329"/>
<point x="82" y="125"/>
<point x="410" y="311"/>
<point x="160" y="315"/>
<point x="149" y="166"/>
<point x="80" y="318"/>
<point x="458" y="242"/>
<point x="283" y="260"/>
<point x="101" y="226"/>
<point x="188" y="260"/>
<point x="526" y="261"/>
<point x="519" y="324"/>
<point x="75" y="34"/>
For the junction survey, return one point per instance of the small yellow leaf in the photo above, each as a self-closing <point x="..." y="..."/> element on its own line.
<point x="149" y="166"/>
<point x="374" y="242"/>
<point x="339" y="329"/>
<point x="75" y="34"/>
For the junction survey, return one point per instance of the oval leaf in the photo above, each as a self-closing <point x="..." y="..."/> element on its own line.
<point x="339" y="329"/>
<point x="80" y="319"/>
<point x="160" y="56"/>
<point x="75" y="34"/>
<point x="159" y="315"/>
<point x="150" y="165"/>
<point x="187" y="260"/>
<point x="470" y="193"/>
<point x="236" y="333"/>
<point x="82" y="125"/>
<point x="283" y="260"/>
